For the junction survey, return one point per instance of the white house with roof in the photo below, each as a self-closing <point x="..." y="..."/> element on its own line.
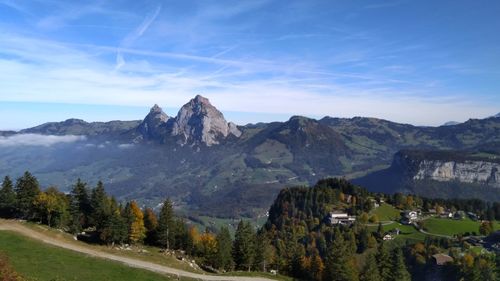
<point x="341" y="218"/>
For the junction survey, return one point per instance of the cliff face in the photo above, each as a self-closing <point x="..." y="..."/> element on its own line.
<point x="469" y="172"/>
<point x="447" y="170"/>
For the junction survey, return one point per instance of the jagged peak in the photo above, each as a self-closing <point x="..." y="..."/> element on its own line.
<point x="201" y="100"/>
<point x="155" y="108"/>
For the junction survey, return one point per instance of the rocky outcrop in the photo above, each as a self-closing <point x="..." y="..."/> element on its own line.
<point x="448" y="170"/>
<point x="199" y="122"/>
<point x="154" y="126"/>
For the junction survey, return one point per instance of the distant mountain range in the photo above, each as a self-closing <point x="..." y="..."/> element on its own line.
<point x="210" y="166"/>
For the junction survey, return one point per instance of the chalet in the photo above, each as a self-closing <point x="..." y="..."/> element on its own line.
<point x="441" y="259"/>
<point x="459" y="215"/>
<point x="446" y="215"/>
<point x="409" y="217"/>
<point x="341" y="218"/>
<point x="472" y="216"/>
<point x="374" y="203"/>
<point x="388" y="237"/>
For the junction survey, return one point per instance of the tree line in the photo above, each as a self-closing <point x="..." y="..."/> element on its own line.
<point x="297" y="239"/>
<point x="107" y="221"/>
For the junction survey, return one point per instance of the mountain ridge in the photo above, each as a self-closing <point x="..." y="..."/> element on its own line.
<point x="206" y="167"/>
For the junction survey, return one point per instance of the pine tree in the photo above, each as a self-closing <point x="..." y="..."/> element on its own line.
<point x="99" y="206"/>
<point x="166" y="225"/>
<point x="7" y="199"/>
<point x="384" y="262"/>
<point x="114" y="229"/>
<point x="370" y="270"/>
<point x="399" y="271"/>
<point x="79" y="206"/>
<point x="244" y="246"/>
<point x="339" y="265"/>
<point x="224" y="258"/>
<point x="27" y="189"/>
<point x="263" y="253"/>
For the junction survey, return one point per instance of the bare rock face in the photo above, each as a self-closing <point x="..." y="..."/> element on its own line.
<point x="468" y="171"/>
<point x="154" y="125"/>
<point x="447" y="170"/>
<point x="199" y="122"/>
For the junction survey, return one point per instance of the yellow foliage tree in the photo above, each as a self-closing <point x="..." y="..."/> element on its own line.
<point x="137" y="231"/>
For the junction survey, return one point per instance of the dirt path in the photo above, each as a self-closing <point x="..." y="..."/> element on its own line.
<point x="19" y="228"/>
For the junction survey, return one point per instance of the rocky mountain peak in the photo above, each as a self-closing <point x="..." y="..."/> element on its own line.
<point x="154" y="124"/>
<point x="198" y="121"/>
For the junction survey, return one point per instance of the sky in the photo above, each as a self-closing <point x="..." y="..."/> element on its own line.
<point x="422" y="62"/>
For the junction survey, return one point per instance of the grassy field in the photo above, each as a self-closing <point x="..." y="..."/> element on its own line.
<point x="38" y="261"/>
<point x="386" y="212"/>
<point x="453" y="227"/>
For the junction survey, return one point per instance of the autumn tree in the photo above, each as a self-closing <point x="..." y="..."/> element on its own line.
<point x="135" y="220"/>
<point x="52" y="207"/>
<point x="151" y="225"/>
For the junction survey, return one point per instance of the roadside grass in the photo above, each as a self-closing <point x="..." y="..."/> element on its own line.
<point x="151" y="254"/>
<point x="387" y="212"/>
<point x="38" y="261"/>
<point x="259" y="274"/>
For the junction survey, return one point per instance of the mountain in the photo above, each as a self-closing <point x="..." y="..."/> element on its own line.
<point x="471" y="173"/>
<point x="208" y="165"/>
<point x="451" y="123"/>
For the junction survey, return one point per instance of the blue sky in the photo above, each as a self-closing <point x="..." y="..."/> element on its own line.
<point x="420" y="62"/>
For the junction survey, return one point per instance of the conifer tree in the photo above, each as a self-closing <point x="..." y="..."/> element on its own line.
<point x="244" y="246"/>
<point x="79" y="206"/>
<point x="370" y="271"/>
<point x="100" y="209"/>
<point x="7" y="198"/>
<point x="339" y="265"/>
<point x="384" y="262"/>
<point x="264" y="252"/>
<point x="166" y="225"/>
<point x="27" y="189"/>
<point x="114" y="229"/>
<point x="224" y="258"/>
<point x="399" y="271"/>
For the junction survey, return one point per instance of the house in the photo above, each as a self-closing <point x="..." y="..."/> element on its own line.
<point x="341" y="218"/>
<point x="446" y="215"/>
<point x="409" y="217"/>
<point x="460" y="215"/>
<point x="441" y="259"/>
<point x="472" y="216"/>
<point x="388" y="237"/>
<point x="375" y="203"/>
<point x="395" y="231"/>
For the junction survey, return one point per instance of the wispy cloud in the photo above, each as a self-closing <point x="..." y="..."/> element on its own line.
<point x="134" y="35"/>
<point x="37" y="140"/>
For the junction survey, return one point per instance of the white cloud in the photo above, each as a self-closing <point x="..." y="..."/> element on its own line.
<point x="125" y="145"/>
<point x="37" y="140"/>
